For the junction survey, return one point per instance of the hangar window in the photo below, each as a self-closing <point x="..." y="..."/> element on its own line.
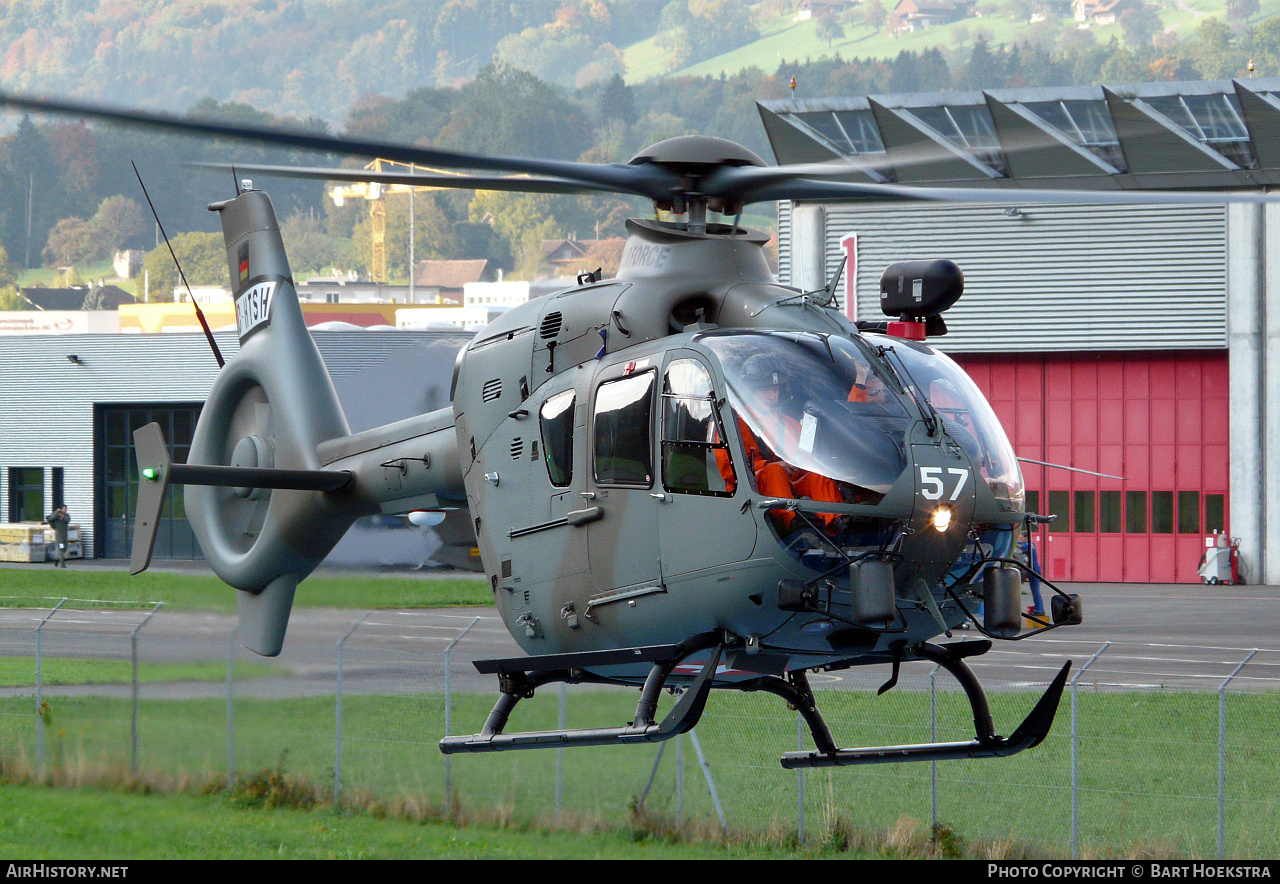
<point x="1087" y="123"/>
<point x="1215" y="509"/>
<point x="1161" y="512"/>
<point x="1135" y="512"/>
<point x="1214" y="120"/>
<point x="1188" y="512"/>
<point x="968" y="127"/>
<point x="26" y="494"/>
<point x="1109" y="512"/>
<point x="1084" y="507"/>
<point x="1060" y="506"/>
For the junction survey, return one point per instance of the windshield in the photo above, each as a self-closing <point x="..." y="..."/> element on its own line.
<point x="816" y="407"/>
<point x="966" y="417"/>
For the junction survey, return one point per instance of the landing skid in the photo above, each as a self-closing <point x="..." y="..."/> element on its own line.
<point x="986" y="744"/>
<point x="520" y="677"/>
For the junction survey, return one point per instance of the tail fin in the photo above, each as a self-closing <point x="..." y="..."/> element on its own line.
<point x="274" y="477"/>
<point x="270" y="407"/>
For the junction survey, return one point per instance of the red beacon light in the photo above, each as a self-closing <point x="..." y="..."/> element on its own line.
<point x="916" y="294"/>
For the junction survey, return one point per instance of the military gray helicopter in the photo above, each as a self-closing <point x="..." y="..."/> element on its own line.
<point x="688" y="477"/>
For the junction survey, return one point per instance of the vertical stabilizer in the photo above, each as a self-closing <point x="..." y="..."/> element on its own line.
<point x="270" y="407"/>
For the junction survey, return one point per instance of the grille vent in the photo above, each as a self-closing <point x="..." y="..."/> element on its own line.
<point x="517" y="448"/>
<point x="551" y="324"/>
<point x="491" y="390"/>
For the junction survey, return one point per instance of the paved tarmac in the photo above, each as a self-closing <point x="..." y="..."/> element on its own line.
<point x="1178" y="636"/>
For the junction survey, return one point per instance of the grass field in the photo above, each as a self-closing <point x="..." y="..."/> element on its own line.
<point x="1147" y="762"/>
<point x="784" y="38"/>
<point x="112" y="825"/>
<point x="35" y="585"/>
<point x="58" y="671"/>
<point x="1148" y="765"/>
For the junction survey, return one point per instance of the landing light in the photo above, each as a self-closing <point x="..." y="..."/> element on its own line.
<point x="942" y="518"/>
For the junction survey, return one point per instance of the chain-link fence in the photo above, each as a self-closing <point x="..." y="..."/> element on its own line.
<point x="1177" y="761"/>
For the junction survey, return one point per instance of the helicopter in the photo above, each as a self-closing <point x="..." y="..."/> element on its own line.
<point x="687" y="477"/>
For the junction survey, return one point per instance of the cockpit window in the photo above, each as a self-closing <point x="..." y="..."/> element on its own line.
<point x="817" y="417"/>
<point x="695" y="459"/>
<point x="966" y="418"/>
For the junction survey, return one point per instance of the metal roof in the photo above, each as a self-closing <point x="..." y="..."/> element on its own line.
<point x="1222" y="134"/>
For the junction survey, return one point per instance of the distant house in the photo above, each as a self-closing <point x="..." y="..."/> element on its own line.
<point x="807" y="9"/>
<point x="450" y="276"/>
<point x="920" y="14"/>
<point x="568" y="256"/>
<point x="1102" y="12"/>
<point x="127" y="263"/>
<point x="77" y="297"/>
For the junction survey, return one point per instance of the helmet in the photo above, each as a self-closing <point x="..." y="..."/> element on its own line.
<point x="759" y="371"/>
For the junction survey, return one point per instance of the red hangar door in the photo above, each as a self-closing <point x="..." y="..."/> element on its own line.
<point x="1159" y="419"/>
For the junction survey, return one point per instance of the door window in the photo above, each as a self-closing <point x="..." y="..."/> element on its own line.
<point x="556" y="418"/>
<point x="622" y="431"/>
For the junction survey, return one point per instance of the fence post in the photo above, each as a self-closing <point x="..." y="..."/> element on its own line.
<point x="800" y="778"/>
<point x="679" y="779"/>
<point x="133" y="656"/>
<point x="706" y="773"/>
<point x="337" y="741"/>
<point x="231" y="712"/>
<point x="448" y="718"/>
<point x="1222" y="753"/>
<point x="560" y="754"/>
<point x="40" y="692"/>
<point x="933" y="738"/>
<point x="1075" y="754"/>
<point x="653" y="773"/>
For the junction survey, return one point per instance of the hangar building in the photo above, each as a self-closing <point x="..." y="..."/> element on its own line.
<point x="70" y="404"/>
<point x="1128" y="340"/>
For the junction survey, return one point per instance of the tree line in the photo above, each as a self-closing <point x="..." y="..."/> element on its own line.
<point x="68" y="194"/>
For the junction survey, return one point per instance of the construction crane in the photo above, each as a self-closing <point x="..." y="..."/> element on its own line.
<point x="375" y="192"/>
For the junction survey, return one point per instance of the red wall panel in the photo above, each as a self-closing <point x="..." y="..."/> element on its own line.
<point x="1157" y="419"/>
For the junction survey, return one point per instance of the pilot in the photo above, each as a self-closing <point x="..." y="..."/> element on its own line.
<point x="861" y="378"/>
<point x="774" y="476"/>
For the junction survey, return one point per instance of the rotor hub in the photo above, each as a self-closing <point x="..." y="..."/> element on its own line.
<point x="695" y="153"/>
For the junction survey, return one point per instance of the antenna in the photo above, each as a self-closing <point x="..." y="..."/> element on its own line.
<point x="831" y="286"/>
<point x="204" y="324"/>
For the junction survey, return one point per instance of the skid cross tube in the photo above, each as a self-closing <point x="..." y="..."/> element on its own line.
<point x="526" y="675"/>
<point x="986" y="743"/>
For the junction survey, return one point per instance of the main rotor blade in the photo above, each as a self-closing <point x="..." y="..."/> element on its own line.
<point x="643" y="179"/>
<point x="809" y="189"/>
<point x="522" y="184"/>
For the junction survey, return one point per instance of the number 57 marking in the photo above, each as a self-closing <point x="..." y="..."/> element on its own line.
<point x="932" y="486"/>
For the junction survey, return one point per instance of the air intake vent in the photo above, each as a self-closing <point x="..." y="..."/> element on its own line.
<point x="492" y="390"/>
<point x="551" y="324"/>
<point x="517" y="448"/>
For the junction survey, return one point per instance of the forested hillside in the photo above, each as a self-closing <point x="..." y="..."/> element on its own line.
<point x="539" y="77"/>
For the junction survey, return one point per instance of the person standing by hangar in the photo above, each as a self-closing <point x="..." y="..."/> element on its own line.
<point x="59" y="520"/>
